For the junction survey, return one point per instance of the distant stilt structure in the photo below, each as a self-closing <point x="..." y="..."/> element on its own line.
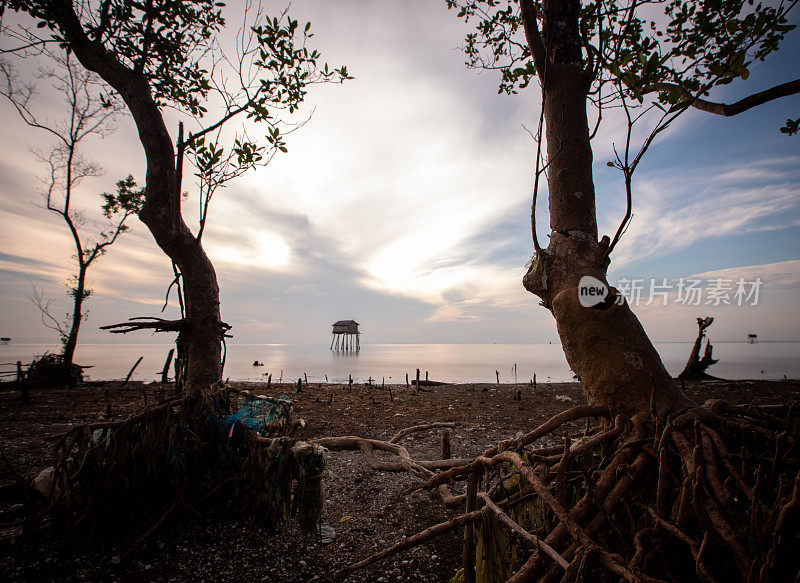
<point x="346" y="336"/>
<point x="752" y="338"/>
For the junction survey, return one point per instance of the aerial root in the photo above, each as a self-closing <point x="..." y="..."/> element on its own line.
<point x="705" y="494"/>
<point x="130" y="477"/>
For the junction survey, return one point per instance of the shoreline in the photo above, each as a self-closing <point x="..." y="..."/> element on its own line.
<point x="367" y="509"/>
<point x="464" y="364"/>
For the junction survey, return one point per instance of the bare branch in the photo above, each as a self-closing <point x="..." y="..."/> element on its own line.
<point x="730" y="109"/>
<point x="146" y="323"/>
<point x="44" y="304"/>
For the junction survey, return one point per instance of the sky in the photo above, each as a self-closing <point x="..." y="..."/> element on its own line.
<point x="404" y="203"/>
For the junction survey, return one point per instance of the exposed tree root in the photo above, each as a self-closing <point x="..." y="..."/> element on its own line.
<point x="130" y="477"/>
<point x="706" y="494"/>
<point x="413" y="541"/>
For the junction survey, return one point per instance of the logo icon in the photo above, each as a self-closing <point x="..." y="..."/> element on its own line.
<point x="593" y="293"/>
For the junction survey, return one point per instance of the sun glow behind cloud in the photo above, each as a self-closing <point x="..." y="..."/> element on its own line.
<point x="265" y="251"/>
<point x="401" y="169"/>
<point x="403" y="199"/>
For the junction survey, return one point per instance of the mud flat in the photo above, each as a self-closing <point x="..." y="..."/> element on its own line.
<point x="365" y="508"/>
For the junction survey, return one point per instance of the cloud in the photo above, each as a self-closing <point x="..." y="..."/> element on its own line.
<point x="784" y="274"/>
<point x="674" y="211"/>
<point x="403" y="203"/>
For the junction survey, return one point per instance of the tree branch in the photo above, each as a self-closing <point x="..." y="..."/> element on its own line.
<point x="145" y="323"/>
<point x="730" y="109"/>
<point x="533" y="35"/>
<point x="43" y="305"/>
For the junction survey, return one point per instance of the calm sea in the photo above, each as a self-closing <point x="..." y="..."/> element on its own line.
<point x="444" y="362"/>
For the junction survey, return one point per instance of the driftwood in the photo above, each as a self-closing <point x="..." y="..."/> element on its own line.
<point x="427" y="383"/>
<point x="695" y="368"/>
<point x="130" y="372"/>
<point x="165" y="370"/>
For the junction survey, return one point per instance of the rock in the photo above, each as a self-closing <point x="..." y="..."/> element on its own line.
<point x="44" y="483"/>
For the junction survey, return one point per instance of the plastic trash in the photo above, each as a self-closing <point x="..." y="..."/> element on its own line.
<point x="326" y="533"/>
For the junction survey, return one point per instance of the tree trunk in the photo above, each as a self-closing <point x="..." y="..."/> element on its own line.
<point x="161" y="212"/>
<point x="606" y="347"/>
<point x="71" y="341"/>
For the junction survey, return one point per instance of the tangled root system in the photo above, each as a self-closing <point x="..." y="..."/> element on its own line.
<point x="707" y="494"/>
<point x="129" y="477"/>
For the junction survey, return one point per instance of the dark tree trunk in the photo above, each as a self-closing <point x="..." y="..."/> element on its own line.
<point x="161" y="212"/>
<point x="606" y="348"/>
<point x="71" y="342"/>
<point x="695" y="368"/>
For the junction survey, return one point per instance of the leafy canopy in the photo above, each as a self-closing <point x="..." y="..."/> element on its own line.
<point x="678" y="48"/>
<point x="164" y="40"/>
<point x="175" y="47"/>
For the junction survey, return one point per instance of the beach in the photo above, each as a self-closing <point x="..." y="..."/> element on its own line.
<point x="367" y="509"/>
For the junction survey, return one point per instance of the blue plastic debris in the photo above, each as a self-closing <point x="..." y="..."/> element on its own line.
<point x="258" y="414"/>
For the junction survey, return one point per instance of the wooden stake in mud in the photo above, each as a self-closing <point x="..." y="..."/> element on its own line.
<point x="22" y="384"/>
<point x="469" y="530"/>
<point x="417" y="378"/>
<point x="165" y="370"/>
<point x="407" y="385"/>
<point x="426" y="376"/>
<point x="130" y="373"/>
<point x="350" y="380"/>
<point x="299" y="385"/>
<point x="534" y="380"/>
<point x="497" y="373"/>
<point x="305" y="376"/>
<point x="446" y="444"/>
<point x="269" y="381"/>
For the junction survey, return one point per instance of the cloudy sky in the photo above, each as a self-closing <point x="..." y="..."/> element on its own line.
<point x="404" y="204"/>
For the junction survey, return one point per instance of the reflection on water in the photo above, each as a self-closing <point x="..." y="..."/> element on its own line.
<point x="391" y="362"/>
